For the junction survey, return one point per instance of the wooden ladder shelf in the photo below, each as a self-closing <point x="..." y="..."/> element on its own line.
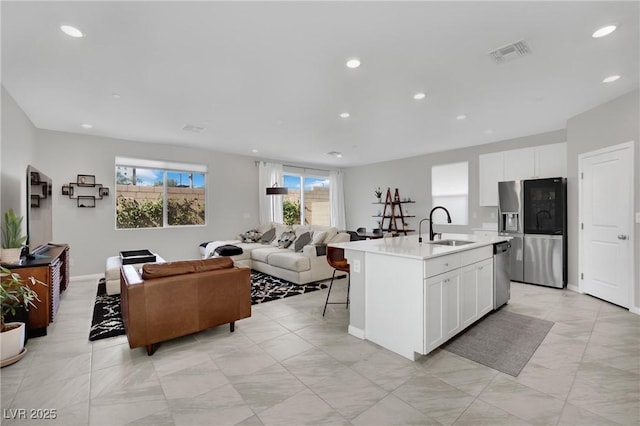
<point x="393" y="213"/>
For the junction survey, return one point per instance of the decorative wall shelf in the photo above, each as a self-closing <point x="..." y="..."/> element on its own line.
<point x="85" y="190"/>
<point x="39" y="189"/>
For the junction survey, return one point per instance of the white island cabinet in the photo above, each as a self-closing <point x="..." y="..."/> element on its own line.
<point x="411" y="297"/>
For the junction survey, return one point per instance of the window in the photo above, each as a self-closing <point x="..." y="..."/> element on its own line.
<point x="450" y="189"/>
<point x="308" y="199"/>
<point x="159" y="194"/>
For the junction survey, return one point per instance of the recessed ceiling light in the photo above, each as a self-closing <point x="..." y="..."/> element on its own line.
<point x="461" y="117"/>
<point x="418" y="96"/>
<point x="488" y="132"/>
<point x="353" y="63"/>
<point x="345" y="115"/>
<point x="335" y="154"/>
<point x="86" y="125"/>
<point x="255" y="151"/>
<point x="71" y="31"/>
<point x="116" y="96"/>
<point x="604" y="31"/>
<point x="611" y="79"/>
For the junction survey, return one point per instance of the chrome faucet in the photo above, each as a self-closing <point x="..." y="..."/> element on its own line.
<point x="431" y="233"/>
<point x="420" y="230"/>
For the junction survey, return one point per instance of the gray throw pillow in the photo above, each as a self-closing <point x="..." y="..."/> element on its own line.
<point x="301" y="241"/>
<point x="268" y="236"/>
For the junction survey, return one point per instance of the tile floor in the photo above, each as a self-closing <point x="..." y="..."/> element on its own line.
<point x="288" y="365"/>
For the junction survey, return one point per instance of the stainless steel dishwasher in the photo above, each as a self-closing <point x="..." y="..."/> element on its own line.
<point x="501" y="274"/>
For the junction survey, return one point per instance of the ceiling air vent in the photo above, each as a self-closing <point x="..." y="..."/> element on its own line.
<point x="192" y="128"/>
<point x="510" y="52"/>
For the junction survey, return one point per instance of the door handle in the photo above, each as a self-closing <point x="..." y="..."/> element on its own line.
<point x="622" y="237"/>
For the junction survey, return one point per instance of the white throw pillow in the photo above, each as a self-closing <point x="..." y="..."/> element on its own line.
<point x="331" y="232"/>
<point x="318" y="237"/>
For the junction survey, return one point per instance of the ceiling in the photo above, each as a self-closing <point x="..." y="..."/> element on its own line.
<point x="271" y="76"/>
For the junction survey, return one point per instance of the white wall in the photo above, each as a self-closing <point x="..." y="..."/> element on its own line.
<point x="609" y="124"/>
<point x="412" y="176"/>
<point x="232" y="196"/>
<point x="17" y="148"/>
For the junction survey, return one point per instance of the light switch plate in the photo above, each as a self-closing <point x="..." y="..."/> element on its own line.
<point x="637" y="217"/>
<point x="356" y="266"/>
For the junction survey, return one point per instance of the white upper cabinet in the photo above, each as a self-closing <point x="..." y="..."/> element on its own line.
<point x="491" y="172"/>
<point x="526" y="163"/>
<point x="519" y="164"/>
<point x="551" y="160"/>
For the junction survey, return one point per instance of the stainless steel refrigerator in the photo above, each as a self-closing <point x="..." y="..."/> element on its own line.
<point x="510" y="223"/>
<point x="533" y="212"/>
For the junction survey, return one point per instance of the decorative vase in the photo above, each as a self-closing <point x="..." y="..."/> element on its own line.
<point x="12" y="343"/>
<point x="11" y="255"/>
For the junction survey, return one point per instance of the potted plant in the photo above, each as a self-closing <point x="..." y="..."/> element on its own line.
<point x="378" y="193"/>
<point x="15" y="294"/>
<point x="12" y="238"/>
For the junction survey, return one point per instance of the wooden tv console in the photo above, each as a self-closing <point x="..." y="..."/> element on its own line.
<point x="51" y="266"/>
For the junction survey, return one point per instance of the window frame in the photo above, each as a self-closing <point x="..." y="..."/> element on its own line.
<point x="451" y="194"/>
<point x="302" y="174"/>
<point x="165" y="167"/>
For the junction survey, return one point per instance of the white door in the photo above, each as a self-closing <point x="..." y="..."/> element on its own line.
<point x="606" y="213"/>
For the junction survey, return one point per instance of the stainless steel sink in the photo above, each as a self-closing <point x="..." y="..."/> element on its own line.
<point x="451" y="242"/>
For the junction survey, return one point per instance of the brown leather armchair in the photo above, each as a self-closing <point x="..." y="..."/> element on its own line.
<point x="175" y="299"/>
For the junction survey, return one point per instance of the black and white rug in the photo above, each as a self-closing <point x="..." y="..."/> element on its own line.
<point x="107" y="319"/>
<point x="265" y="288"/>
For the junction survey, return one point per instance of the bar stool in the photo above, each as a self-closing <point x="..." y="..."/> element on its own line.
<point x="336" y="259"/>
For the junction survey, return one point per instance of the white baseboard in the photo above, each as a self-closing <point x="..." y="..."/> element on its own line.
<point x="86" y="277"/>
<point x="356" y="332"/>
<point x="635" y="310"/>
<point x="574" y="288"/>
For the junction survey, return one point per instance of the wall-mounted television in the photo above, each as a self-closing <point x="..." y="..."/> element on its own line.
<point x="39" y="210"/>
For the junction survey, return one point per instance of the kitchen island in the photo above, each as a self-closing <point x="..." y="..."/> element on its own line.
<point x="411" y="297"/>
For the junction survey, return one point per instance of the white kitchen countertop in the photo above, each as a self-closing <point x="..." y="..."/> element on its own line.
<point x="408" y="246"/>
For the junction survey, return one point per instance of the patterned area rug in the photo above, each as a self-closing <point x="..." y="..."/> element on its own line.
<point x="265" y="288"/>
<point x="107" y="319"/>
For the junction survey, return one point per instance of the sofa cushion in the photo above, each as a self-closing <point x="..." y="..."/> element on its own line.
<point x="289" y="260"/>
<point x="301" y="229"/>
<point x="341" y="237"/>
<point x="246" y="250"/>
<point x="301" y="241"/>
<point x="158" y="270"/>
<point x="262" y="254"/>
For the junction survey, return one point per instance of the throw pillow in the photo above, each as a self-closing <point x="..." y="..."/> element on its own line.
<point x="251" y="236"/>
<point x="280" y="229"/>
<point x="331" y="232"/>
<point x="268" y="236"/>
<point x="301" y="241"/>
<point x="318" y="237"/>
<point x="286" y="239"/>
